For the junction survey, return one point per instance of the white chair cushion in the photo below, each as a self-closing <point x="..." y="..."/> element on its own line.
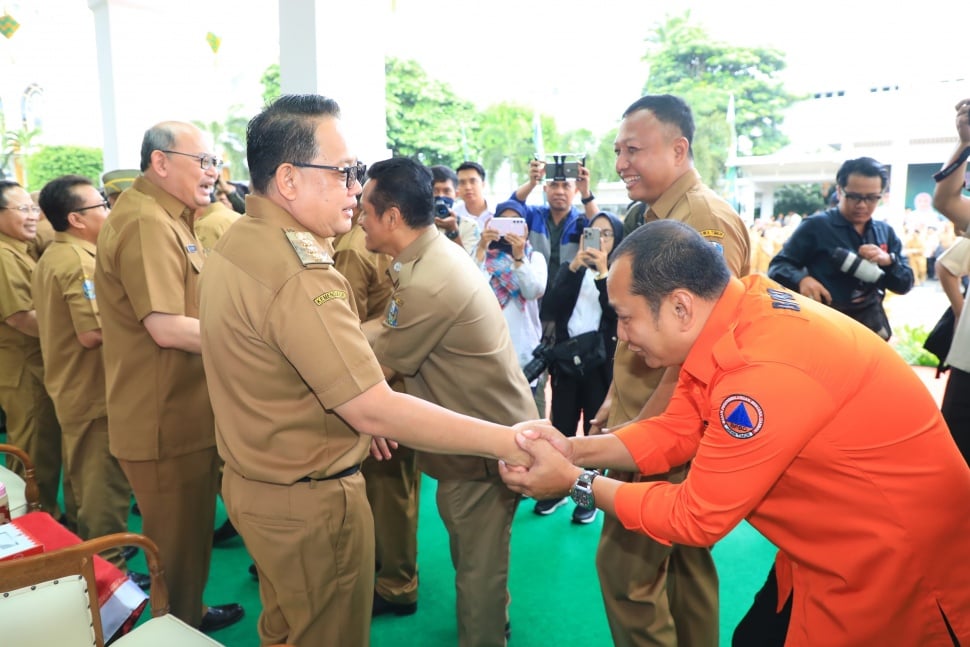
<point x="50" y="613"/>
<point x="16" y="491"/>
<point x="165" y="631"/>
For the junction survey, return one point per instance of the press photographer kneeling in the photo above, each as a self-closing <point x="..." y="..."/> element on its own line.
<point x="844" y="258"/>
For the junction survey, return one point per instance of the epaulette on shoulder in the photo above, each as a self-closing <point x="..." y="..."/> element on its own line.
<point x="307" y="249"/>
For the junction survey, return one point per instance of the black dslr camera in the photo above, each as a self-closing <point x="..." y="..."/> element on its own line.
<point x="542" y="357"/>
<point x="442" y="206"/>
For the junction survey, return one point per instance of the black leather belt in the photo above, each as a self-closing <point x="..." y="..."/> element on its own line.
<point x="350" y="471"/>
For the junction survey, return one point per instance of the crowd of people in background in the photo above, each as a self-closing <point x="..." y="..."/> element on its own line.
<point x="173" y="335"/>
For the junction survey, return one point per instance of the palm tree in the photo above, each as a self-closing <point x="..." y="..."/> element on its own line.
<point x="17" y="145"/>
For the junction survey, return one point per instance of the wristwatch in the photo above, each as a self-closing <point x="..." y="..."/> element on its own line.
<point x="582" y="490"/>
<point x="452" y="234"/>
<point x="589" y="199"/>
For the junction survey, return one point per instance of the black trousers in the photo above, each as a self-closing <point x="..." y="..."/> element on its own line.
<point x="956" y="409"/>
<point x="572" y="397"/>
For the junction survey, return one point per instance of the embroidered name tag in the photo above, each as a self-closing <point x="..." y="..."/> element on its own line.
<point x="712" y="233"/>
<point x="332" y="294"/>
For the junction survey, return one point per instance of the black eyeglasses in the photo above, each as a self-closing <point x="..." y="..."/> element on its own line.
<point x="25" y="209"/>
<point x="205" y="161"/>
<point x="872" y="198"/>
<point x="354" y="173"/>
<point x="95" y="206"/>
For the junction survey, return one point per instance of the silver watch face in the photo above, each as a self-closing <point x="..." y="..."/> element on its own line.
<point x="582" y="490"/>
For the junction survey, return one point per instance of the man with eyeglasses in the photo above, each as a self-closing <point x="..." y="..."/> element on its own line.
<point x="70" y="336"/>
<point x="844" y="258"/>
<point x="160" y="423"/>
<point x="31" y="421"/>
<point x="296" y="389"/>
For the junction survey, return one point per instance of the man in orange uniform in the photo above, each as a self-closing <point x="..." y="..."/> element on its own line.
<point x="800" y="421"/>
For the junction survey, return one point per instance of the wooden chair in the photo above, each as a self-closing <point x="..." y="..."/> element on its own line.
<point x="51" y="599"/>
<point x="22" y="492"/>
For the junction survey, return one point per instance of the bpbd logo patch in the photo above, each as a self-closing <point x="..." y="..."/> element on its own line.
<point x="741" y="416"/>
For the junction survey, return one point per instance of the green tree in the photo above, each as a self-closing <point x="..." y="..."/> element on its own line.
<point x="271" y="83"/>
<point x="425" y="118"/>
<point x="505" y="134"/>
<point x="229" y="137"/>
<point x="602" y="159"/>
<point x="17" y="146"/>
<point x="804" y="199"/>
<point x="54" y="161"/>
<point x="684" y="61"/>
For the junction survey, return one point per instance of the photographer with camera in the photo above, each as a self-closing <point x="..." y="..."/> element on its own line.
<point x="554" y="228"/>
<point x="517" y="274"/>
<point x="463" y="231"/>
<point x="844" y="258"/>
<point x="581" y="362"/>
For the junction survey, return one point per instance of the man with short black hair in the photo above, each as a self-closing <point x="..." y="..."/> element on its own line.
<point x="461" y="230"/>
<point x="471" y="189"/>
<point x="827" y="458"/>
<point x="842" y="257"/>
<point x="444" y="333"/>
<point x="296" y="389"/>
<point x="70" y="336"/>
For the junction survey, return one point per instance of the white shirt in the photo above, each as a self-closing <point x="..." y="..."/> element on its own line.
<point x="957" y="261"/>
<point x="480" y="219"/>
<point x="587" y="312"/>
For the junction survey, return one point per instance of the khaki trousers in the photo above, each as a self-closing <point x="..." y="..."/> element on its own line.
<point x="478" y="516"/>
<point x="32" y="426"/>
<point x="393" y="488"/>
<point x="100" y="487"/>
<point x="656" y="595"/>
<point x="313" y="544"/>
<point x="177" y="497"/>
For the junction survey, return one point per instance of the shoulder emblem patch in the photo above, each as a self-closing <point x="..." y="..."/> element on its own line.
<point x="329" y="295"/>
<point x="87" y="286"/>
<point x="392" y="311"/>
<point x="307" y="249"/>
<point x="741" y="416"/>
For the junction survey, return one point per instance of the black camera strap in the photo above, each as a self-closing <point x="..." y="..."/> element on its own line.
<point x="947" y="171"/>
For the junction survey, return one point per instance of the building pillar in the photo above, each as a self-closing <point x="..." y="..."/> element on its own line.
<point x="327" y="48"/>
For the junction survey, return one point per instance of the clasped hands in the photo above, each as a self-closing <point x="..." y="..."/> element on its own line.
<point x="542" y="468"/>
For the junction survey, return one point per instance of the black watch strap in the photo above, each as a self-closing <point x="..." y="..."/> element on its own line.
<point x="588" y="200"/>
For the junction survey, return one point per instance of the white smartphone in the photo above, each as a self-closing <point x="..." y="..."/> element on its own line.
<point x="591" y="238"/>
<point x="504" y="226"/>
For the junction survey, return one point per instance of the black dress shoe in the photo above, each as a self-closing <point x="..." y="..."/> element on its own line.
<point x="384" y="607"/>
<point x="135" y="510"/>
<point x="224" y="533"/>
<point x="143" y="580"/>
<point x="221" y="616"/>
<point x="129" y="552"/>
<point x="253" y="571"/>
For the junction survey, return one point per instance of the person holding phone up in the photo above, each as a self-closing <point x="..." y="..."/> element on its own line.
<point x="517" y="274"/>
<point x="578" y="304"/>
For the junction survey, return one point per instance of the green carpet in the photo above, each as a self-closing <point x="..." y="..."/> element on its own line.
<point x="555" y="592"/>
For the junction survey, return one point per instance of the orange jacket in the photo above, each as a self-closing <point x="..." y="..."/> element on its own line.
<point x="814" y="430"/>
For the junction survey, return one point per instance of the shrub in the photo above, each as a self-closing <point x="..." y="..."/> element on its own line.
<point x="908" y="342"/>
<point x="54" y="161"/>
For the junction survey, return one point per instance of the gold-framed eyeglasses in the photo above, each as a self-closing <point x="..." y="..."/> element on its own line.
<point x="354" y="173"/>
<point x="103" y="203"/>
<point x="26" y="208"/>
<point x="872" y="198"/>
<point x="206" y="161"/>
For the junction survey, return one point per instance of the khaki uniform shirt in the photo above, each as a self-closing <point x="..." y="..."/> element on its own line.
<point x="283" y="347"/>
<point x="45" y="236"/>
<point x="690" y="202"/>
<point x="365" y="270"/>
<point x="63" y="285"/>
<point x="444" y="331"/>
<point x="17" y="350"/>
<point x="212" y="222"/>
<point x="149" y="261"/>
